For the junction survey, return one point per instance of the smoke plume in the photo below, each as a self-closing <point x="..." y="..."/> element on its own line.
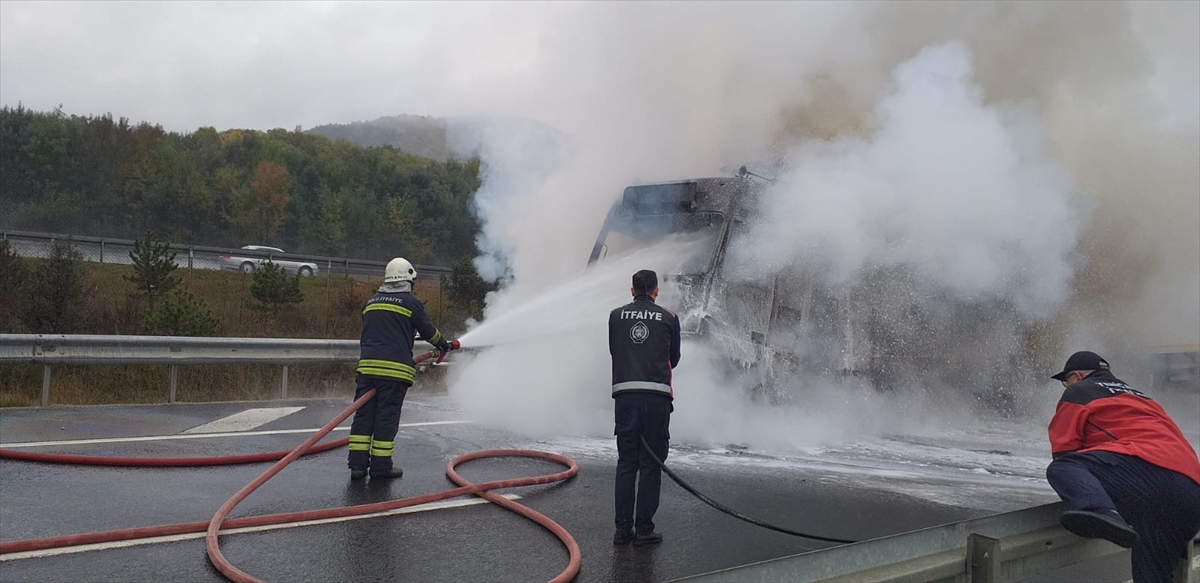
<point x="1045" y="155"/>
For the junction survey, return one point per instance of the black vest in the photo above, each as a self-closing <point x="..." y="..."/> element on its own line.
<point x="643" y="339"/>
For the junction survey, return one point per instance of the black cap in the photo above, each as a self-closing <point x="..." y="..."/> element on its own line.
<point x="1082" y="360"/>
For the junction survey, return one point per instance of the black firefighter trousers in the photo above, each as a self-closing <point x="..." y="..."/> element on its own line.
<point x="640" y="415"/>
<point x="373" y="431"/>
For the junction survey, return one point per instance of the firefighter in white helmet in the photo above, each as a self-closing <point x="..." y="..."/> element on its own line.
<point x="385" y="364"/>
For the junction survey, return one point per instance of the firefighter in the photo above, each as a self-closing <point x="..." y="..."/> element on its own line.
<point x="385" y="364"/>
<point x="643" y="339"/>
<point x="1123" y="468"/>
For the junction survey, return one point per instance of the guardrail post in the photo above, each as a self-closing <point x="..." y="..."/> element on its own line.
<point x="1183" y="569"/>
<point x="983" y="559"/>
<point x="174" y="377"/>
<point x="283" y="384"/>
<point x="46" y="386"/>
<point x="190" y="255"/>
<point x="101" y="250"/>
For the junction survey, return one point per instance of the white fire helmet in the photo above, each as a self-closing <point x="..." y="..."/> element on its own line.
<point x="399" y="269"/>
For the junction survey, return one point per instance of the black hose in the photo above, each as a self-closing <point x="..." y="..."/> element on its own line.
<point x="730" y="511"/>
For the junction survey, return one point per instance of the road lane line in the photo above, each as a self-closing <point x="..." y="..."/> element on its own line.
<point x="204" y="435"/>
<point x="245" y="421"/>
<point x="443" y="505"/>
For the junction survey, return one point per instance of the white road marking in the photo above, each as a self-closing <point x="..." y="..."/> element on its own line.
<point x="245" y="421"/>
<point x="200" y="535"/>
<point x="204" y="435"/>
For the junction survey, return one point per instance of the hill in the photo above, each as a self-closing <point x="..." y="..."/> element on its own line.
<point x="417" y="135"/>
<point x="450" y="139"/>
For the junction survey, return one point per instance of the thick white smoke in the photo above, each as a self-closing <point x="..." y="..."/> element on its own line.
<point x="961" y="190"/>
<point x="1042" y="154"/>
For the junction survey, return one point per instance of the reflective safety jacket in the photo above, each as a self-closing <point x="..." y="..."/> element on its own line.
<point x="643" y="339"/>
<point x="1102" y="413"/>
<point x="386" y="346"/>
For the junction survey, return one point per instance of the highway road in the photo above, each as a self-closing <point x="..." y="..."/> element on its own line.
<point x="199" y="257"/>
<point x="461" y="540"/>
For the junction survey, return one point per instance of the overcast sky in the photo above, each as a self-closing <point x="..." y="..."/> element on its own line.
<point x="259" y="64"/>
<point x="282" y="64"/>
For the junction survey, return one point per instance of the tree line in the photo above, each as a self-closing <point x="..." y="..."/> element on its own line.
<point x="303" y="192"/>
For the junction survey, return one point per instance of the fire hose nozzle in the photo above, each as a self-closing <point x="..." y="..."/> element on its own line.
<point x="435" y="353"/>
<point x="454" y="345"/>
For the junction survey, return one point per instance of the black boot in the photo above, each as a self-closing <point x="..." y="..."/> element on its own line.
<point x="648" y="538"/>
<point x="1108" y="526"/>
<point x="622" y="536"/>
<point x="358" y="473"/>
<point x="388" y="475"/>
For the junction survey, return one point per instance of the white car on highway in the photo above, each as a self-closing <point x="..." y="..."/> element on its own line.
<point x="262" y="255"/>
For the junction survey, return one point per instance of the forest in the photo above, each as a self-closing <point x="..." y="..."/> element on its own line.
<point x="300" y="191"/>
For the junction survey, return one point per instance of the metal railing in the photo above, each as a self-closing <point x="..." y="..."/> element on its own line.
<point x="86" y="349"/>
<point x="106" y="250"/>
<point x="1013" y="546"/>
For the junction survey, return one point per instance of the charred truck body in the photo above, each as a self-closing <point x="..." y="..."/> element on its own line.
<point x="793" y="326"/>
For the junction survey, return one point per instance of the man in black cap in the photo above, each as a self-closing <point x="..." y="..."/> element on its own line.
<point x="643" y="339"/>
<point x="1123" y="468"/>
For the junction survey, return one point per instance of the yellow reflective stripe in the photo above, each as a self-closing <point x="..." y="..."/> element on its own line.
<point x="385" y="444"/>
<point x="360" y="446"/>
<point x="381" y="452"/>
<point x="437" y="335"/>
<point x="387" y="373"/>
<point x="355" y="438"/>
<point x="403" y="311"/>
<point x="374" y="363"/>
<point x="386" y="368"/>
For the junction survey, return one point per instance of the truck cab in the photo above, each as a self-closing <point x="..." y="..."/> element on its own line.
<point x="884" y="329"/>
<point x="760" y="330"/>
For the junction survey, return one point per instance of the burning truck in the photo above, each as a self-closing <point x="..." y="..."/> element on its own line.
<point x="886" y="327"/>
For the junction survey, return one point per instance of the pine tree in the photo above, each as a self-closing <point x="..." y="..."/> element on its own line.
<point x="14" y="275"/>
<point x="180" y="314"/>
<point x="153" y="268"/>
<point x="56" y="291"/>
<point x="273" y="288"/>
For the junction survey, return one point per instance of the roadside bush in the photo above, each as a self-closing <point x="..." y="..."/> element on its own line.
<point x="351" y="298"/>
<point x="56" y="292"/>
<point x="180" y="314"/>
<point x="465" y="290"/>
<point x="14" y="274"/>
<point x="273" y="289"/>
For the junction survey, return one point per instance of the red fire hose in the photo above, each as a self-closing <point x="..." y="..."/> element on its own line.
<point x="213" y="526"/>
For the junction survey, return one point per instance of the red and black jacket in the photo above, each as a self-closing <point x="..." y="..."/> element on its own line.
<point x="1102" y="413"/>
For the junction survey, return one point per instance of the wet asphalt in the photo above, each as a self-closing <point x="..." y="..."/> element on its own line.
<point x="472" y="543"/>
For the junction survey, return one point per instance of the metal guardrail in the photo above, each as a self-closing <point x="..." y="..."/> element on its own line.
<point x="1013" y="546"/>
<point x="86" y="349"/>
<point x="105" y="250"/>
